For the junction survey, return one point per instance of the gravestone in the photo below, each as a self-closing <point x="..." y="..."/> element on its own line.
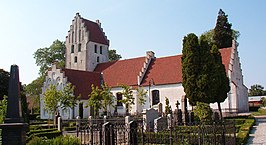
<point x="14" y="128"/>
<point x="148" y="118"/>
<point x="160" y="124"/>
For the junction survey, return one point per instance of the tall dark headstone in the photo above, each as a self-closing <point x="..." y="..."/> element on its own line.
<point x="14" y="128"/>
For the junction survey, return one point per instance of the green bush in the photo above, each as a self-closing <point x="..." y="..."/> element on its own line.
<point x="203" y="111"/>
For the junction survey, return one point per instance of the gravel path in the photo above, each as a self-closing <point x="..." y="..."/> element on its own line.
<point x="258" y="132"/>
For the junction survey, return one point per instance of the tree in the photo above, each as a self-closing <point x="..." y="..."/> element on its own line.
<point x="209" y="36"/>
<point x="190" y="66"/>
<point x="52" y="99"/>
<point x="33" y="91"/>
<point x="168" y="109"/>
<point x="4" y="81"/>
<point x="45" y="57"/>
<point x="141" y="94"/>
<point x="24" y="104"/>
<point x="113" y="55"/>
<point x="263" y="101"/>
<point x="107" y="97"/>
<point x="196" y="66"/>
<point x="69" y="100"/>
<point x="222" y="31"/>
<point x="256" y="90"/>
<point x="220" y="81"/>
<point x="95" y="100"/>
<point x="128" y="98"/>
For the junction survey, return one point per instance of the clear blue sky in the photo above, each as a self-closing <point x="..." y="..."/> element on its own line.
<point x="133" y="27"/>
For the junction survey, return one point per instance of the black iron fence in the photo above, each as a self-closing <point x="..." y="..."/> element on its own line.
<point x="137" y="131"/>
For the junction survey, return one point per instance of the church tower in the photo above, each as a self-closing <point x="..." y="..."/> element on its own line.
<point x="86" y="45"/>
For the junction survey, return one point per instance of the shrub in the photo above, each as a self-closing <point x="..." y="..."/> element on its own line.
<point x="242" y="137"/>
<point x="48" y="135"/>
<point x="203" y="111"/>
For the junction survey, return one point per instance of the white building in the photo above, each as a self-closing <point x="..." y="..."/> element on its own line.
<point x="87" y="63"/>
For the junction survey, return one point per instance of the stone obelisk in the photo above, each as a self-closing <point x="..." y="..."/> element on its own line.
<point x="14" y="128"/>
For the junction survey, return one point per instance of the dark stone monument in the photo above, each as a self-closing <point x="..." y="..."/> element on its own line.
<point x="14" y="128"/>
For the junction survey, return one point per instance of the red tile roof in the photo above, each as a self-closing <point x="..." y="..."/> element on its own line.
<point x="165" y="70"/>
<point x="95" y="32"/>
<point x="82" y="80"/>
<point x="120" y="72"/>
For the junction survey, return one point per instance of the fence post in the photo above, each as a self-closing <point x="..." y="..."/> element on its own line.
<point x="169" y="117"/>
<point x="91" y="128"/>
<point x="59" y="120"/>
<point x="78" y="125"/>
<point x="234" y="125"/>
<point x="108" y="137"/>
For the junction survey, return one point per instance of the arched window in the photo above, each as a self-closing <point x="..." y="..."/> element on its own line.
<point x="155" y="97"/>
<point x="95" y="48"/>
<point x="76" y="59"/>
<point x="98" y="59"/>
<point x="101" y="50"/>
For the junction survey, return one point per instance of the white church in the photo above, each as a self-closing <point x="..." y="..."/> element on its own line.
<point x="87" y="63"/>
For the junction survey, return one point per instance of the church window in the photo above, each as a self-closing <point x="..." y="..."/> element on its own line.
<point x="79" y="47"/>
<point x="118" y="99"/>
<point x="95" y="48"/>
<point x="101" y="50"/>
<point x="76" y="59"/>
<point x="79" y="34"/>
<point x="72" y="48"/>
<point x="155" y="97"/>
<point x="98" y="59"/>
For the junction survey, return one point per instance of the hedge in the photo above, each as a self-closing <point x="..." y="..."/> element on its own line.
<point x="40" y="130"/>
<point x="243" y="134"/>
<point x="48" y="135"/>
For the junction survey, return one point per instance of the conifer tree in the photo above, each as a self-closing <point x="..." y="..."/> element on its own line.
<point x="223" y="34"/>
<point x="190" y="67"/>
<point x="220" y="82"/>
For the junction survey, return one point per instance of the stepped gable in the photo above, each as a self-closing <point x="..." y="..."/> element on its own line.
<point x="116" y="73"/>
<point x="96" y="33"/>
<point x="82" y="80"/>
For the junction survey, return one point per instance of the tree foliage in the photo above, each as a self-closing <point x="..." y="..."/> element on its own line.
<point x="168" y="109"/>
<point x="128" y="98"/>
<point x="113" y="55"/>
<point x="45" y="57"/>
<point x="4" y="81"/>
<point x="33" y="91"/>
<point x="223" y="34"/>
<point x="52" y="99"/>
<point x="107" y="97"/>
<point x="203" y="111"/>
<point x="141" y="94"/>
<point x="68" y="99"/>
<point x="256" y="90"/>
<point x="95" y="100"/>
<point x="196" y="66"/>
<point x="209" y="36"/>
<point x="3" y="108"/>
